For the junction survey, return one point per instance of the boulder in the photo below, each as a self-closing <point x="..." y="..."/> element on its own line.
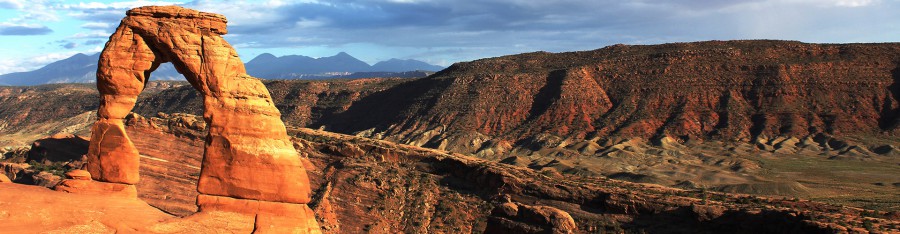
<point x="511" y="217"/>
<point x="59" y="148"/>
<point x="78" y="175"/>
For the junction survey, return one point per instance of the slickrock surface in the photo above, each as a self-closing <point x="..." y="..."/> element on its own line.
<point x="247" y="153"/>
<point x="32" y="209"/>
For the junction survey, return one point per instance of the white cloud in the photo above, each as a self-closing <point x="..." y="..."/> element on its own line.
<point x="23" y="29"/>
<point x="405" y="1"/>
<point x="32" y="63"/>
<point x="116" y="5"/>
<point x="95" y="25"/>
<point x="94" y="50"/>
<point x="7" y="24"/>
<point x="9" y="65"/>
<point x="469" y="29"/>
<point x="30" y="11"/>
<point x="11" y="4"/>
<point x="304" y="23"/>
<point x="854" y="3"/>
<point x="241" y="13"/>
<point x="91" y="34"/>
<point x="829" y="3"/>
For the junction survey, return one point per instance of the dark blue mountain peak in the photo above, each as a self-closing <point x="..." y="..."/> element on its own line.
<point x="81" y="68"/>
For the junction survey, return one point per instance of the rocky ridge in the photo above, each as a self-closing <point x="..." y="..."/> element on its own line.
<point x="363" y="185"/>
<point x="716" y="90"/>
<point x="855" y="141"/>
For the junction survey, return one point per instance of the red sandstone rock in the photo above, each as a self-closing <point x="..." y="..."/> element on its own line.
<point x="4" y="179"/>
<point x="97" y="188"/>
<point x="519" y="218"/>
<point x="78" y="175"/>
<point x="11" y="170"/>
<point x="32" y="209"/>
<point x="111" y="155"/>
<point x="731" y="90"/>
<point x="271" y="217"/>
<point x="422" y="189"/>
<point x="248" y="154"/>
<point x="63" y="147"/>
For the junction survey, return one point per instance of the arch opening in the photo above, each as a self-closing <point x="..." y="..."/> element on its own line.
<point x="249" y="164"/>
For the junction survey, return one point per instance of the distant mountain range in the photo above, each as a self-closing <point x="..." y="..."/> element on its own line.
<point x="342" y="64"/>
<point x="81" y="68"/>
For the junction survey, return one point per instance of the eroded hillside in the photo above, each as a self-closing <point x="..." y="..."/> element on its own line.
<point x="363" y="185"/>
<point x="781" y="118"/>
<point x="721" y="90"/>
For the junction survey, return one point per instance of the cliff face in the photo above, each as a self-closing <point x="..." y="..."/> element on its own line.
<point x="731" y="90"/>
<point x="25" y="106"/>
<point x="811" y="121"/>
<point x="31" y="113"/>
<point x="361" y="185"/>
<point x="300" y="102"/>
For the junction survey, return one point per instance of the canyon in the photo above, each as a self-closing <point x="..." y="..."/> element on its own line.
<point x="363" y="185"/>
<point x="716" y="136"/>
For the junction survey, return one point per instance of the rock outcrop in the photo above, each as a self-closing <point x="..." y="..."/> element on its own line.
<point x="719" y="90"/>
<point x="59" y="148"/>
<point x="301" y="102"/>
<point x="511" y="217"/>
<point x="382" y="187"/>
<point x="249" y="164"/>
<point x="407" y="189"/>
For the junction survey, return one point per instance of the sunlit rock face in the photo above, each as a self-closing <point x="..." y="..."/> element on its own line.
<point x="249" y="165"/>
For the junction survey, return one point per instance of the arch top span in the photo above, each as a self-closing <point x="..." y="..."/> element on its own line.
<point x="248" y="157"/>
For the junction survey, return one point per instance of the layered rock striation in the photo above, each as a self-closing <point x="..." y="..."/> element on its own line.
<point x="721" y="90"/>
<point x="249" y="164"/>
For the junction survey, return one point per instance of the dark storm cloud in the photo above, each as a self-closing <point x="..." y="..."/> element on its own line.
<point x="24" y="30"/>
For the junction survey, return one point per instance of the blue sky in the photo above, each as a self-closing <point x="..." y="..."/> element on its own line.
<point x="36" y="32"/>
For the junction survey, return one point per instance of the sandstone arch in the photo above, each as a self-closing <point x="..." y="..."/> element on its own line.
<point x="249" y="164"/>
